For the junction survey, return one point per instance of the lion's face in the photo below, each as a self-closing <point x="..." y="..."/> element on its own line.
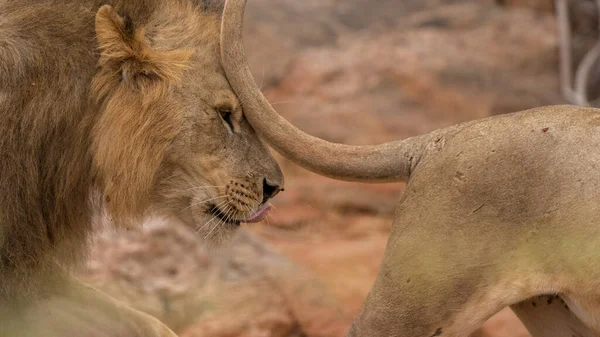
<point x="216" y="173"/>
<point x="172" y="137"/>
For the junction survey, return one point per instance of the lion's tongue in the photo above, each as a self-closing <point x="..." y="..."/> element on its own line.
<point x="260" y="214"/>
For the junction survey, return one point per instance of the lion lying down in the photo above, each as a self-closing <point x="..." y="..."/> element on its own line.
<point x="497" y="212"/>
<point x="127" y="101"/>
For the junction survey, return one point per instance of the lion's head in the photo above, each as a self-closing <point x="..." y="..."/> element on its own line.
<point x="171" y="135"/>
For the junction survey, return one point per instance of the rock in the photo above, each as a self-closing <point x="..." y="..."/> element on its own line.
<point x="159" y="269"/>
<point x="267" y="295"/>
<point x="244" y="290"/>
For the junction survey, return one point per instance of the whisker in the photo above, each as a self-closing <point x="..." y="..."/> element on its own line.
<point x="273" y="217"/>
<point x="216" y="216"/>
<point x="209" y="221"/>
<point x="206" y="223"/>
<point x="247" y="214"/>
<point x="222" y="203"/>
<point x="204" y="201"/>
<point x="229" y="215"/>
<point x="218" y="223"/>
<point x="199" y="187"/>
<point x="229" y="212"/>
<point x="213" y="228"/>
<point x="215" y="198"/>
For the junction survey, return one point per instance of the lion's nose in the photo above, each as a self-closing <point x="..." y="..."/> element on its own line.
<point x="270" y="189"/>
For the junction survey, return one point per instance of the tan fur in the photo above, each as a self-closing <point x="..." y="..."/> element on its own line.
<point x="119" y="107"/>
<point x="497" y="212"/>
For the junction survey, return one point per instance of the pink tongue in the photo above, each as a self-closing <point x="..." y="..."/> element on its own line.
<point x="260" y="214"/>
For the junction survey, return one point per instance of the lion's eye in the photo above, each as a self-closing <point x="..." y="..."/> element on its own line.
<point x="226" y="115"/>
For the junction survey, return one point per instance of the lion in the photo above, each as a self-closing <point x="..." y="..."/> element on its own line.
<point x="122" y="106"/>
<point x="501" y="211"/>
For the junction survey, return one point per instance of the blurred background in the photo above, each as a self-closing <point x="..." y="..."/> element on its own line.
<point x="355" y="72"/>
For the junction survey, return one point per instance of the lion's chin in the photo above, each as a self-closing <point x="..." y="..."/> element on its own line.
<point x="220" y="237"/>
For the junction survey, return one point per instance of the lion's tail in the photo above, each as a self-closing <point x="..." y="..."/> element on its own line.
<point x="386" y="162"/>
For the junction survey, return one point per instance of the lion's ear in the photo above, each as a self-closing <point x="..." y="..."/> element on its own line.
<point x="124" y="52"/>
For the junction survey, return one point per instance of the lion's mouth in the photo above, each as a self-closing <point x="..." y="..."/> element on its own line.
<point x="259" y="214"/>
<point x="256" y="216"/>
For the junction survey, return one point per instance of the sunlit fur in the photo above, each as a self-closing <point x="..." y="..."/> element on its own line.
<point x="119" y="102"/>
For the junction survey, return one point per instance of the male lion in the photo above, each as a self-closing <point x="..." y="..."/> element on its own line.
<point x="120" y="104"/>
<point x="497" y="212"/>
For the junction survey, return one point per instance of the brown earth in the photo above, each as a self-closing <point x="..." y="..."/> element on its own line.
<point x="351" y="72"/>
<point x="245" y="290"/>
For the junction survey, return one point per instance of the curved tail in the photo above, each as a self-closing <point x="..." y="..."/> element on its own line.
<point x="386" y="162"/>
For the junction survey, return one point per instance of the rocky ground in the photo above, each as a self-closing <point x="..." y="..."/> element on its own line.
<point x="352" y="72"/>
